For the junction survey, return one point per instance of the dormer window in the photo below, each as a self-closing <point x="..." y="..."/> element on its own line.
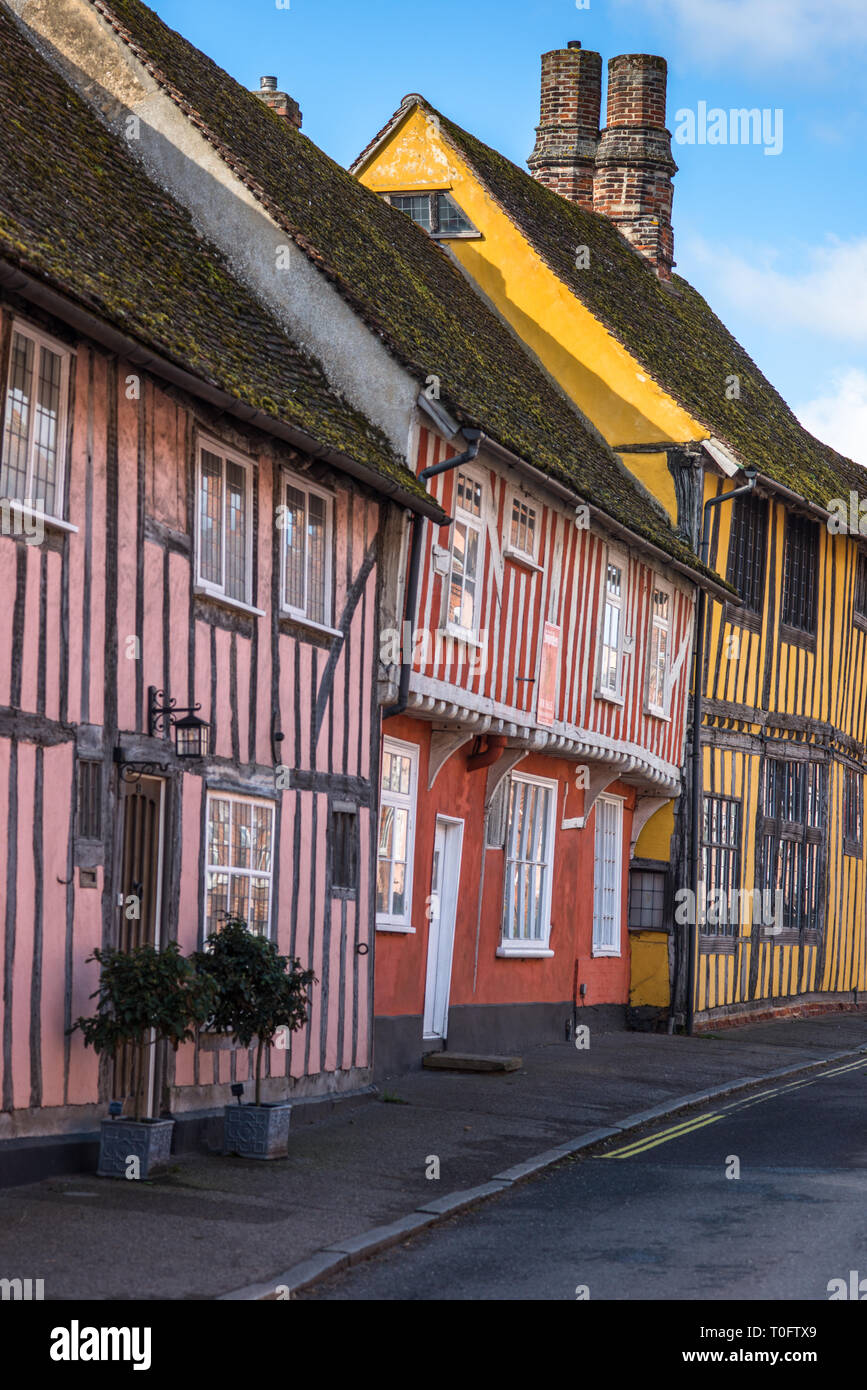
<point x="437" y="213"/>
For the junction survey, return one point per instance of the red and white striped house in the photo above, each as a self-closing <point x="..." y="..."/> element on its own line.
<point x="543" y="726"/>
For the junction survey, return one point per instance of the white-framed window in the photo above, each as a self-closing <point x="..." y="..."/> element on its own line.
<point x="305" y="519"/>
<point x="522" y="536"/>
<point x="396" y="835"/>
<point x="239" y="862"/>
<point x="224" y="522"/>
<point x="33" y="458"/>
<point x="612" y="638"/>
<point x="659" y="650"/>
<point x="463" y="598"/>
<point x="531" y="812"/>
<point x="436" y="212"/>
<point x="607" y="876"/>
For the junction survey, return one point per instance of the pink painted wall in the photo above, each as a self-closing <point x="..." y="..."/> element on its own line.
<point x="62" y="668"/>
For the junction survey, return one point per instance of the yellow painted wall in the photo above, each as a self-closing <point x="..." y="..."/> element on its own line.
<point x="782" y="680"/>
<point x="654" y="842"/>
<point x="648" y="976"/>
<point x="603" y="379"/>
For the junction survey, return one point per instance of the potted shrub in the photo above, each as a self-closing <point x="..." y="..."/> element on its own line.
<point x="145" y="995"/>
<point x="259" y="993"/>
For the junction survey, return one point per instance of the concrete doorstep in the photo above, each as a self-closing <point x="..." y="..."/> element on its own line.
<point x="467" y="1061"/>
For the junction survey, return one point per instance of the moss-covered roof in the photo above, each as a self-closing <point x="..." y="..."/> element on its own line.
<point x="78" y="211"/>
<point x="402" y="284"/>
<point x="669" y="329"/>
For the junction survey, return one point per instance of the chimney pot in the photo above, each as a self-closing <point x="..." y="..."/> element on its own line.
<point x="574" y="43"/>
<point x="568" y="133"/>
<point x="280" y="102"/>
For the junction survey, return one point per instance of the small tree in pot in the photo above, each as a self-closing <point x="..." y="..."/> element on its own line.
<point x="259" y="994"/>
<point x="146" y="995"/>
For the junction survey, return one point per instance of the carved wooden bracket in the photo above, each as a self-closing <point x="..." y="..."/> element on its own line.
<point x="500" y="769"/>
<point x="645" y="807"/>
<point x="442" y="746"/>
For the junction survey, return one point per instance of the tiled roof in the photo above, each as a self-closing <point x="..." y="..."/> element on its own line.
<point x="669" y="329"/>
<point x="404" y="286"/>
<point x="78" y="212"/>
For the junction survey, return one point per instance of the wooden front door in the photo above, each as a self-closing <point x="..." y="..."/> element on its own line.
<point x="142" y="805"/>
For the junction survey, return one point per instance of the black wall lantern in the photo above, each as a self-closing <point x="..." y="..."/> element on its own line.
<point x="191" y="733"/>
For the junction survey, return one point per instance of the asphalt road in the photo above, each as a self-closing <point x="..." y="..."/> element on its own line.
<point x="655" y="1216"/>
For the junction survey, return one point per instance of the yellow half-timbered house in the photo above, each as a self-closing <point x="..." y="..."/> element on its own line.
<point x="763" y="910"/>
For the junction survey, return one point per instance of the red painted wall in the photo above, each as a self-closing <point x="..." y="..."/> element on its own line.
<point x="401" y="959"/>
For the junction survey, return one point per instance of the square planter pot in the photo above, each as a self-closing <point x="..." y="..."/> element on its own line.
<point x="257" y="1131"/>
<point x="150" y="1141"/>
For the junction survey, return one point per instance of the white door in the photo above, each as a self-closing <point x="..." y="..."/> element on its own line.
<point x="441" y="938"/>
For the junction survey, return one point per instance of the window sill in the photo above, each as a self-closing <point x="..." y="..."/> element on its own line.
<point x="519" y="557"/>
<point x="652" y="713"/>
<point x="462" y="634"/>
<point x="523" y="950"/>
<point x="216" y="597"/>
<point x="455" y="236"/>
<point x="392" y="927"/>
<point x="711" y="944"/>
<point x="743" y="617"/>
<point x="797" y="637"/>
<point x="613" y="953"/>
<point x="610" y="696"/>
<point x="51" y="523"/>
<point x="322" y="628"/>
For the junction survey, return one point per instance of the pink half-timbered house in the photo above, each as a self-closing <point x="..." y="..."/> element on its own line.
<point x="190" y="516"/>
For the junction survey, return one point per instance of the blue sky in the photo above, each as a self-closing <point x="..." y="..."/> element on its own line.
<point x="776" y="243"/>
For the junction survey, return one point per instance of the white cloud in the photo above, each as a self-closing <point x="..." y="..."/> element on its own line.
<point x="826" y="294"/>
<point x="755" y="31"/>
<point x="839" y="417"/>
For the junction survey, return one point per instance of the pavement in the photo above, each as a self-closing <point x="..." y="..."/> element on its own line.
<point x="758" y="1197"/>
<point x="229" y="1228"/>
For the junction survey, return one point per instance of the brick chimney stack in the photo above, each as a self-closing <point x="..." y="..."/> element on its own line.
<point x="568" y="133"/>
<point x="280" y="102"/>
<point x="634" y="166"/>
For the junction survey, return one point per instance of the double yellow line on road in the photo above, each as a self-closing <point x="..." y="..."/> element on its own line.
<point x="640" y="1146"/>
<point x="676" y="1132"/>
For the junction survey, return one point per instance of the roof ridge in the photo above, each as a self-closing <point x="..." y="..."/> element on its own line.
<point x="133" y="295"/>
<point x="404" y="287"/>
<point x="242" y="171"/>
<point x="452" y="132"/>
